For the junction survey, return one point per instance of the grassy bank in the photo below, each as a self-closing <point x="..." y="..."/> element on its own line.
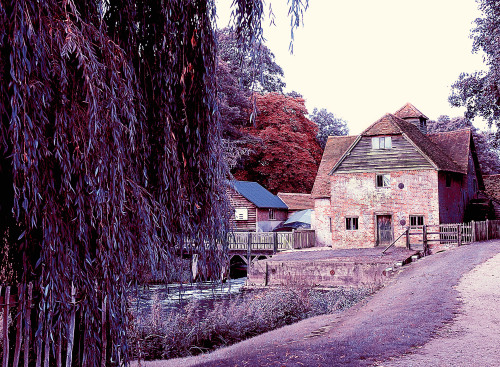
<point x="193" y="330"/>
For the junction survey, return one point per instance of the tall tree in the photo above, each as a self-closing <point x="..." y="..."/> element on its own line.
<point x="287" y="155"/>
<point x="110" y="153"/>
<point x="479" y="92"/>
<point x="328" y="125"/>
<point x="255" y="68"/>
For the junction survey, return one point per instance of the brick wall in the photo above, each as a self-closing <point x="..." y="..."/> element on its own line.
<point x="321" y="222"/>
<point x="356" y="195"/>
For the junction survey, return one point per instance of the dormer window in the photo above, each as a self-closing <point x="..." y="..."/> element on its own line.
<point x="382" y="142"/>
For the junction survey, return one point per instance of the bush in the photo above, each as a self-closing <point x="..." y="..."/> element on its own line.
<point x="192" y="329"/>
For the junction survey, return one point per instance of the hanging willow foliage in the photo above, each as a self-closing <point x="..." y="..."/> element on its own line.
<point x="110" y="156"/>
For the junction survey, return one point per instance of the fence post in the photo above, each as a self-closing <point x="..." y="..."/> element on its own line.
<point x="459" y="235"/>
<point x="473" y="231"/>
<point x="487" y="229"/>
<point x="27" y="329"/>
<point x="249" y="248"/>
<point x="424" y="239"/>
<point x="71" y="329"/>
<point x="408" y="238"/>
<point x="5" y="336"/>
<point x="275" y="242"/>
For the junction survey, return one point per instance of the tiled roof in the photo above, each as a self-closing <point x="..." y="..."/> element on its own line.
<point x="335" y="148"/>
<point x="492" y="186"/>
<point x="446" y="151"/>
<point x="393" y="125"/>
<point x="258" y="195"/>
<point x="456" y="144"/>
<point x="409" y="111"/>
<point x="297" y="201"/>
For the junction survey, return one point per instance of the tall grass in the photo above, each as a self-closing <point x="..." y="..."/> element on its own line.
<point x="193" y="330"/>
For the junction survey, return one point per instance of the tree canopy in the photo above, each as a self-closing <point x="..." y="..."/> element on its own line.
<point x="110" y="152"/>
<point x="255" y="68"/>
<point x="479" y="92"/>
<point x="328" y="125"/>
<point x="287" y="156"/>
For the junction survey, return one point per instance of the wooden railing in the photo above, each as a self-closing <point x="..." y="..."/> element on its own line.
<point x="454" y="234"/>
<point x="270" y="241"/>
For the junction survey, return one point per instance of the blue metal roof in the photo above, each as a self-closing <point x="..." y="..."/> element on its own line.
<point x="258" y="195"/>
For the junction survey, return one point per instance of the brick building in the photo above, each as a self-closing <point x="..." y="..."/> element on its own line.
<point x="370" y="187"/>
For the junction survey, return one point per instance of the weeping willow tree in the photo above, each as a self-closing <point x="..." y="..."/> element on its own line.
<point x="110" y="157"/>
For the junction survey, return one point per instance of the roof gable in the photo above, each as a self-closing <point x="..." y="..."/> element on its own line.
<point x="409" y="111"/>
<point x="390" y="124"/>
<point x="258" y="195"/>
<point x="335" y="148"/>
<point x="296" y="201"/>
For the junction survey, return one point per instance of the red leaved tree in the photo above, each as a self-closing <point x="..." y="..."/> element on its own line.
<point x="288" y="155"/>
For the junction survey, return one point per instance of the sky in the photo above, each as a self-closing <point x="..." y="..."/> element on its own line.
<point x="360" y="59"/>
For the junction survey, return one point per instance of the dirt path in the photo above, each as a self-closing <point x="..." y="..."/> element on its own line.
<point x="404" y="315"/>
<point x="473" y="338"/>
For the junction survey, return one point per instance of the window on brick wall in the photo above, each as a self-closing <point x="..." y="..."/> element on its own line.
<point x="383" y="180"/>
<point x="272" y="214"/>
<point x="382" y="142"/>
<point x="351" y="223"/>
<point x="330" y="224"/>
<point x="416" y="221"/>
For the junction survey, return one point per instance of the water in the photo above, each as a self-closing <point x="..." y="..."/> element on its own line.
<point x="173" y="296"/>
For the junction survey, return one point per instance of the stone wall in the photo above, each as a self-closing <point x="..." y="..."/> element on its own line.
<point x="326" y="273"/>
<point x="356" y="195"/>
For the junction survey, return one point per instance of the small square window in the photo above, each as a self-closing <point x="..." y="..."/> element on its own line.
<point x="416" y="221"/>
<point x="382" y="142"/>
<point x="351" y="223"/>
<point x="383" y="180"/>
<point x="272" y="214"/>
<point x="241" y="214"/>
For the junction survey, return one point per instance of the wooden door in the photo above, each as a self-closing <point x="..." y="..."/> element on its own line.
<point x="384" y="229"/>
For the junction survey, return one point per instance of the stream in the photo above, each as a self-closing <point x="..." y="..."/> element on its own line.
<point x="173" y="296"/>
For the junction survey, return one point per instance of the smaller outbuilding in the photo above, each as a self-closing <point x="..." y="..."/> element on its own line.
<point x="296" y="202"/>
<point x="255" y="208"/>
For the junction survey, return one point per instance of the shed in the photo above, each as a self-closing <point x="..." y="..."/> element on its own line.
<point x="255" y="208"/>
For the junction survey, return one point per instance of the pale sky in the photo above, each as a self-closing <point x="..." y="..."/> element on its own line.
<point x="361" y="59"/>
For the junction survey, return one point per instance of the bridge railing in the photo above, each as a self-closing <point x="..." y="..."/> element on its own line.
<point x="272" y="241"/>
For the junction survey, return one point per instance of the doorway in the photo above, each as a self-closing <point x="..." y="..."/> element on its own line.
<point x="384" y="230"/>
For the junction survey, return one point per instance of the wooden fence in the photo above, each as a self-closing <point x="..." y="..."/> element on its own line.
<point x="56" y="349"/>
<point x="271" y="241"/>
<point x="449" y="235"/>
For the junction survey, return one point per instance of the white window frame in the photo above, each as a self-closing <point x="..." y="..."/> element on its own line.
<point x="381" y="142"/>
<point x="386" y="180"/>
<point x="272" y="214"/>
<point x="416" y="219"/>
<point x="241" y="213"/>
<point x="351" y="223"/>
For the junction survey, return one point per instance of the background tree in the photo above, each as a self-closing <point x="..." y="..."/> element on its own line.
<point x="485" y="142"/>
<point x="328" y="125"/>
<point x="110" y="153"/>
<point x="480" y="92"/>
<point x="288" y="155"/>
<point x="255" y="68"/>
